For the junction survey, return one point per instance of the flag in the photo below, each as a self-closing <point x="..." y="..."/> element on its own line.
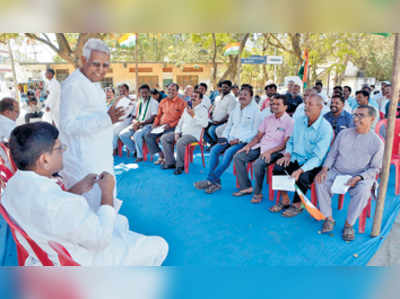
<point x="232" y="49"/>
<point x="127" y="40"/>
<point x="313" y="210"/>
<point x="384" y="34"/>
<point x="304" y="69"/>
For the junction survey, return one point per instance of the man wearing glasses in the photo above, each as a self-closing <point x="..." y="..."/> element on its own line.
<point x="85" y="124"/>
<point x="357" y="152"/>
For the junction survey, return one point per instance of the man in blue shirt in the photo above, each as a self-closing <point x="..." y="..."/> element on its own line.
<point x="337" y="117"/>
<point x="241" y="128"/>
<point x="347" y="97"/>
<point x="305" y="152"/>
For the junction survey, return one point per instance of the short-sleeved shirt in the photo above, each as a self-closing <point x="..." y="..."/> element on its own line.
<point x="275" y="130"/>
<point x="146" y="109"/>
<point x="223" y="106"/>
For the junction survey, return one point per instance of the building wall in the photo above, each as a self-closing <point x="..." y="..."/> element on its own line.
<point x="151" y="73"/>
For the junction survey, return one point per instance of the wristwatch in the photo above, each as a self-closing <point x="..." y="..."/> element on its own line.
<point x="361" y="177"/>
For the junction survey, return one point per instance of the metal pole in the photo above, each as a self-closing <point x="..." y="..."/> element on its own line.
<point x="10" y="53"/>
<point x="376" y="228"/>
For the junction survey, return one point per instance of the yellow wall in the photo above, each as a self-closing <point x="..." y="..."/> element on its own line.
<point x="121" y="74"/>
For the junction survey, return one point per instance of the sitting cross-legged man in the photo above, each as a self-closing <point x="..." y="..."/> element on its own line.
<point x="170" y="111"/>
<point x="305" y="152"/>
<point x="265" y="148"/>
<point x="357" y="152"/>
<point x="241" y="128"/>
<point x="46" y="213"/>
<point x="188" y="130"/>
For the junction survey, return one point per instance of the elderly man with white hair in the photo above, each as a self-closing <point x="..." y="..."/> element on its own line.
<point x="85" y="124"/>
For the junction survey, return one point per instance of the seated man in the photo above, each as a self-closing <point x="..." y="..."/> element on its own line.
<point x="338" y="117"/>
<point x="169" y="112"/>
<point x="241" y="128"/>
<point x="126" y="120"/>
<point x="294" y="99"/>
<point x="9" y="112"/>
<point x="47" y="213"/>
<point x="363" y="98"/>
<point x="146" y="112"/>
<point x="222" y="107"/>
<point x="357" y="152"/>
<point x="188" y="130"/>
<point x="305" y="152"/>
<point x="265" y="101"/>
<point x="34" y="110"/>
<point x="273" y="133"/>
<point x="300" y="109"/>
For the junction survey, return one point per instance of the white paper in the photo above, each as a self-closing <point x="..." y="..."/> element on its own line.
<point x="127" y="104"/>
<point x="158" y="130"/>
<point x="339" y="185"/>
<point x="283" y="182"/>
<point x="117" y="204"/>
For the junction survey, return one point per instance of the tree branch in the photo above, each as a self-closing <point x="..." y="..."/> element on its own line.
<point x="35" y="37"/>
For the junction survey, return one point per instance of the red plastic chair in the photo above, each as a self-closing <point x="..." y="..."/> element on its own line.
<point x="249" y="169"/>
<point x="64" y="257"/>
<point x="7" y="152"/>
<point x="145" y="150"/>
<point x="189" y="150"/>
<point x="395" y="149"/>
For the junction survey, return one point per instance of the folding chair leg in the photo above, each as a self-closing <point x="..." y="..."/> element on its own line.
<point x="368" y="207"/>
<point x="186" y="161"/>
<point x="202" y="155"/>
<point x="314" y="199"/>
<point x="120" y="148"/>
<point x="269" y="182"/>
<point x="362" y="220"/>
<point x="340" y="201"/>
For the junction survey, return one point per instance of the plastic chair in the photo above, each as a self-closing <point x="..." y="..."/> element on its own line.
<point x="395" y="160"/>
<point x="64" y="257"/>
<point x="7" y="153"/>
<point x="145" y="150"/>
<point x="249" y="169"/>
<point x="190" y="149"/>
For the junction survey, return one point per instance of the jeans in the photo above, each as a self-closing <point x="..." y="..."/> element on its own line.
<point x="135" y="145"/>
<point x="210" y="136"/>
<point x="217" y="168"/>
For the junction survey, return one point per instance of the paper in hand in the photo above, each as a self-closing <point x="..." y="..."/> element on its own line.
<point x="283" y="182"/>
<point x="158" y="130"/>
<point x="339" y="185"/>
<point x="126" y="104"/>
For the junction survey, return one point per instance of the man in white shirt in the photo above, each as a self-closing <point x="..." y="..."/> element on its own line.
<point x="53" y="98"/>
<point x="47" y="213"/>
<point x="320" y="92"/>
<point x="146" y="112"/>
<point x="86" y="126"/>
<point x="219" y="112"/>
<point x="202" y="87"/>
<point x="241" y="128"/>
<point x="188" y="130"/>
<point x="9" y="112"/>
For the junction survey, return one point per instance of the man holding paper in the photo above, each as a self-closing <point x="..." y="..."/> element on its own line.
<point x="146" y="112"/>
<point x="305" y="152"/>
<point x="170" y="111"/>
<point x="357" y="153"/>
<point x="265" y="148"/>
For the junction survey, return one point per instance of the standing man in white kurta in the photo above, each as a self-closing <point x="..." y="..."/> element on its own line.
<point x="85" y="124"/>
<point x="53" y="98"/>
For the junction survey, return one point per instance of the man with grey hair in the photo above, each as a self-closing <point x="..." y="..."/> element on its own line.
<point x="9" y="112"/>
<point x="357" y="152"/>
<point x="85" y="124"/>
<point x="305" y="152"/>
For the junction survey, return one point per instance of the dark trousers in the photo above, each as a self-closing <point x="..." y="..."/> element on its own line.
<point x="305" y="180"/>
<point x="151" y="141"/>
<point x="28" y="116"/>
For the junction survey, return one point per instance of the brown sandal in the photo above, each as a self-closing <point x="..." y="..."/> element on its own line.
<point x="348" y="233"/>
<point x="292" y="211"/>
<point x="243" y="192"/>
<point x="278" y="207"/>
<point x="328" y="226"/>
<point x="257" y="198"/>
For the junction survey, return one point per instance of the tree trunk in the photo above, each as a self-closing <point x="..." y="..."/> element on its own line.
<point x="264" y="66"/>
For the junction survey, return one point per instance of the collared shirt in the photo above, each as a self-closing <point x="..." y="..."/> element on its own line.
<point x="309" y="144"/>
<point x="352" y="102"/>
<point x="6" y="126"/>
<point x="343" y="121"/>
<point x="243" y="123"/>
<point x="145" y="109"/>
<point x="275" y="130"/>
<point x="189" y="125"/>
<point x="170" y="111"/>
<point x="206" y="101"/>
<point x="223" y="106"/>
<point x="356" y="154"/>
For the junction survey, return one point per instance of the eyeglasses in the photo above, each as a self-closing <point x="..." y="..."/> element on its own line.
<point x="359" y="115"/>
<point x="61" y="148"/>
<point x="98" y="65"/>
